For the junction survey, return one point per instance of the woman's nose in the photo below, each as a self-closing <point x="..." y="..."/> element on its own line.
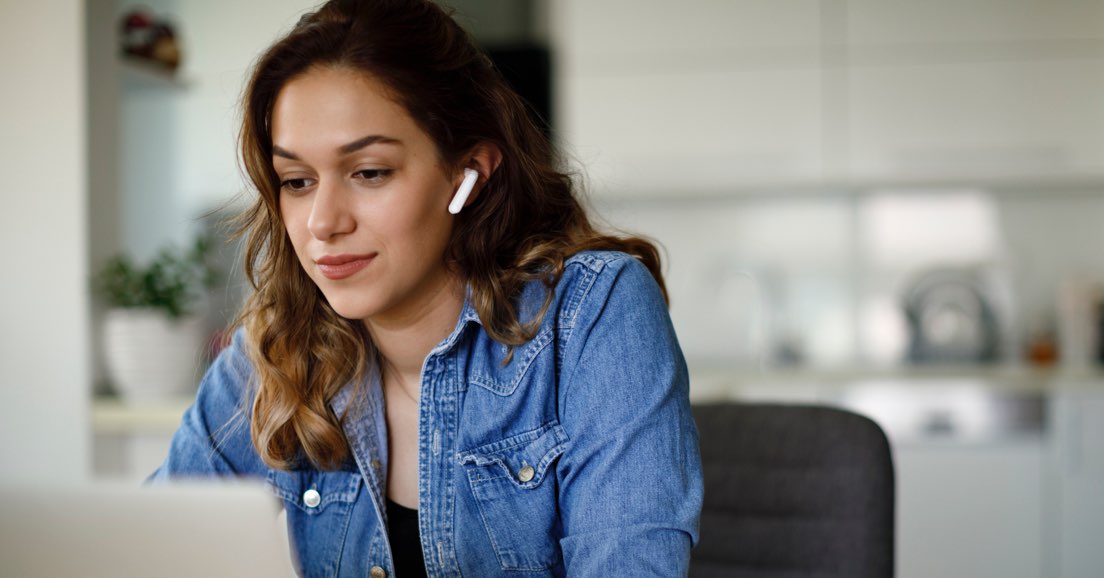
<point x="329" y="214"/>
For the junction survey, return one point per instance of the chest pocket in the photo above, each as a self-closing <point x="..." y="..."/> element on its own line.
<point x="319" y="506"/>
<point x="514" y="485"/>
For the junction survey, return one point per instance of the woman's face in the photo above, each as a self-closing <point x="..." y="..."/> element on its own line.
<point x="363" y="195"/>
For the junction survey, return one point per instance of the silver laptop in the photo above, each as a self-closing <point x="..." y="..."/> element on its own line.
<point x="190" y="529"/>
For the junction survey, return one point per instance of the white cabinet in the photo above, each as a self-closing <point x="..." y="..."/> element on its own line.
<point x="659" y="98"/>
<point x="706" y="97"/>
<point x="669" y="133"/>
<point x="968" y="452"/>
<point x="1077" y="483"/>
<point x="655" y="28"/>
<point x="976" y="120"/>
<point x="969" y="510"/>
<point x="980" y="90"/>
<point x="954" y="22"/>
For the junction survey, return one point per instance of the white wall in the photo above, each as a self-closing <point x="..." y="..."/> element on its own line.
<point x="44" y="346"/>
<point x="178" y="141"/>
<point x="222" y="39"/>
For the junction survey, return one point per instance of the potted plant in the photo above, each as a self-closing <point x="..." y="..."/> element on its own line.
<point x="153" y="336"/>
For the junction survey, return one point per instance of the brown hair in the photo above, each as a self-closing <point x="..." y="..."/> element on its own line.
<point x="525" y="223"/>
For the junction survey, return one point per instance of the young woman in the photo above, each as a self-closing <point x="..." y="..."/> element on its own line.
<point x="444" y="369"/>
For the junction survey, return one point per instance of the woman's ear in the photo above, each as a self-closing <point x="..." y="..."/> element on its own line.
<point x="484" y="159"/>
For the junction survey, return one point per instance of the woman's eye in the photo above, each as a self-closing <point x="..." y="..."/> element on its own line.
<point x="373" y="175"/>
<point x="294" y="185"/>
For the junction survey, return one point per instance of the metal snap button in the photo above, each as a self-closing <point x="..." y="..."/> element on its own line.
<point x="376" y="464"/>
<point x="378" y="572"/>
<point x="526" y="473"/>
<point x="312" y="498"/>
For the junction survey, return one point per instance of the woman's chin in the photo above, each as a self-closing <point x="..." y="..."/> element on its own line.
<point x="352" y="311"/>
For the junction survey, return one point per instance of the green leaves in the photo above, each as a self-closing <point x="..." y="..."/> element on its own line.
<point x="173" y="281"/>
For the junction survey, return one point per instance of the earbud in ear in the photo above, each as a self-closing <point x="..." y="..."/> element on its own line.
<point x="461" y="196"/>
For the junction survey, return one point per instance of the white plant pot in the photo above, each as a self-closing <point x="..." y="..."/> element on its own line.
<point x="151" y="357"/>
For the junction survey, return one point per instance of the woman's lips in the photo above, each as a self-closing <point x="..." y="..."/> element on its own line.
<point x="341" y="266"/>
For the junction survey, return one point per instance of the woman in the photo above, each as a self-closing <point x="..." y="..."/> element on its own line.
<point x="482" y="393"/>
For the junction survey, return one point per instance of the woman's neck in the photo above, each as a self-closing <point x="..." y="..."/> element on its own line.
<point x="403" y="344"/>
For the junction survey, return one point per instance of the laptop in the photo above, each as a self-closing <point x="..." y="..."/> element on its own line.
<point x="210" y="529"/>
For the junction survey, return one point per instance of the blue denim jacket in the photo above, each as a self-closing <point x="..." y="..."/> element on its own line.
<point x="579" y="457"/>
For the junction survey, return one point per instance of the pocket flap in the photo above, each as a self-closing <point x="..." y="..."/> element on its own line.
<point x="524" y="458"/>
<point x="312" y="490"/>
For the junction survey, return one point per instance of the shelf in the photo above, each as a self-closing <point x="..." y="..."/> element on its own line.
<point x="708" y="382"/>
<point x="138" y="73"/>
<point x="1052" y="187"/>
<point x="715" y="381"/>
<point x="111" y="415"/>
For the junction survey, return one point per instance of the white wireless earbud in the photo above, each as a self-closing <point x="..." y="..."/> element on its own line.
<point x="461" y="196"/>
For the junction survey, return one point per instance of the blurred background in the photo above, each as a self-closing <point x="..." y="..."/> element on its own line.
<point x="893" y="207"/>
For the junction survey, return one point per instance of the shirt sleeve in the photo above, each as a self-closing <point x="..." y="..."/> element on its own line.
<point x="213" y="438"/>
<point x="631" y="483"/>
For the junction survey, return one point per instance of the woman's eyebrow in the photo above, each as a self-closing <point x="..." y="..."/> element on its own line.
<point x="345" y="148"/>
<point x="365" y="141"/>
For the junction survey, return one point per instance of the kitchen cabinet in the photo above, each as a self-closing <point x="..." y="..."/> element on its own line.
<point x="980" y="91"/>
<point x="666" y="134"/>
<point x="969" y="510"/>
<point x="953" y="22"/>
<point x="977" y="91"/>
<point x="653" y="28"/>
<point x="711" y="97"/>
<point x="1077" y="483"/>
<point x="689" y="98"/>
<point x="975" y="120"/>
<point x="968" y="449"/>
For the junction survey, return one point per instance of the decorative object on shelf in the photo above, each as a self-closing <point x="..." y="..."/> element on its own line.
<point x="153" y="336"/>
<point x="149" y="39"/>
<point x="1042" y="350"/>
<point x="951" y="317"/>
<point x="1099" y="310"/>
<point x="1079" y="337"/>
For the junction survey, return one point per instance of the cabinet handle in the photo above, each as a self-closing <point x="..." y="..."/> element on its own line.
<point x="1073" y="436"/>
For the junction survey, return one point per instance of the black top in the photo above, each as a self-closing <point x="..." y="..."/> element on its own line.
<point x="406" y="542"/>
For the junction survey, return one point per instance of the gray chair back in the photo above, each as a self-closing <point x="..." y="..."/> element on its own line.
<point x="793" y="491"/>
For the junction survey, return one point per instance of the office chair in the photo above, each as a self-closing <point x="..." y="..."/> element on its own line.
<point x="793" y="491"/>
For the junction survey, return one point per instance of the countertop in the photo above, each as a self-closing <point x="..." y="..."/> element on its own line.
<point x="850" y="387"/>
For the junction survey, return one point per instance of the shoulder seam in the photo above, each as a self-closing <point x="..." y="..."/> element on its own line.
<point x="596" y="260"/>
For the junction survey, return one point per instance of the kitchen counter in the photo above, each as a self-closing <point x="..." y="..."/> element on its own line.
<point x="914" y="405"/>
<point x="716" y="382"/>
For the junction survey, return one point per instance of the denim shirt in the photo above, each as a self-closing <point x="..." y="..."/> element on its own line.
<point x="578" y="457"/>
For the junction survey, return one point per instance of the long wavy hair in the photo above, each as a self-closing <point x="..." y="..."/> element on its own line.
<point x="524" y="224"/>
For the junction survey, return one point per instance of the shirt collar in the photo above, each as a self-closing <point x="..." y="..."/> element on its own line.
<point x="468" y="314"/>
